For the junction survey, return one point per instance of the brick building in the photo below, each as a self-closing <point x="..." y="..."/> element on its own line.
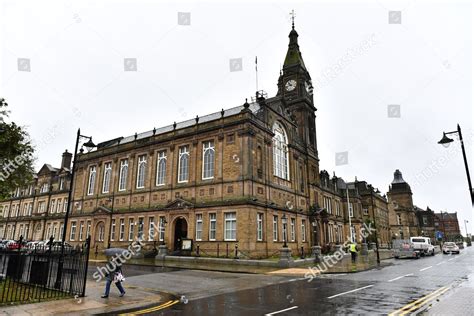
<point x="426" y="220"/>
<point x="448" y="225"/>
<point x="37" y="211"/>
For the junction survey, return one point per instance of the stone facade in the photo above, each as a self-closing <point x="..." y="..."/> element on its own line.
<point x="402" y="216"/>
<point x="225" y="180"/>
<point x="37" y="212"/>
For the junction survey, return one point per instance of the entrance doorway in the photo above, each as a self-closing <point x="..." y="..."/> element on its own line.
<point x="180" y="232"/>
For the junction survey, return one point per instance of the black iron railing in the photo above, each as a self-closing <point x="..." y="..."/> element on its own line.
<point x="31" y="273"/>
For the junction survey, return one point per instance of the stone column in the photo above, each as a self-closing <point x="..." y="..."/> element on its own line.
<point x="162" y="252"/>
<point x="364" y="251"/>
<point x="316" y="253"/>
<point x="285" y="257"/>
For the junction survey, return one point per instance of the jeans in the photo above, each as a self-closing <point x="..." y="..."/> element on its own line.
<point x="107" y="286"/>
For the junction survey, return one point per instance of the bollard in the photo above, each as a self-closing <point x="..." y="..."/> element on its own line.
<point x="217" y="250"/>
<point x="302" y="253"/>
<point x="236" y="252"/>
<point x="227" y="250"/>
<point x="197" y="250"/>
<point x="96" y="250"/>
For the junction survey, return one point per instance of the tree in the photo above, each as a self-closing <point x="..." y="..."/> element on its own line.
<point x="16" y="154"/>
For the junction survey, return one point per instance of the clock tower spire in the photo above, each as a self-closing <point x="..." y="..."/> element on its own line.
<point x="296" y="91"/>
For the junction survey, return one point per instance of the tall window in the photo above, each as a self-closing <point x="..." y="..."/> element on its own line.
<point x="230" y="226"/>
<point x="198" y="226"/>
<point x="81" y="230"/>
<point x="101" y="232"/>
<point x="92" y="175"/>
<point x="161" y="168"/>
<point x="107" y="175"/>
<point x="141" y="172"/>
<point x="351" y="210"/>
<point x="399" y="219"/>
<point x="65" y="206"/>
<point x="292" y="227"/>
<point x="88" y="229"/>
<point x="151" y="228"/>
<point x="280" y="152"/>
<point x="131" y="227"/>
<point x="61" y="183"/>
<point x="208" y="154"/>
<point x="338" y="208"/>
<point x="183" y="164"/>
<point x="212" y="226"/>
<point x="30" y="209"/>
<point x="303" y="230"/>
<point x="275" y="227"/>
<point x="61" y="230"/>
<point x="122" y="229"/>
<point x="140" y="228"/>
<point x="259" y="226"/>
<point x="366" y="211"/>
<point x="59" y="206"/>
<point x="161" y="228"/>
<point x="123" y="175"/>
<point x="72" y="237"/>
<point x="112" y="233"/>
<point x="52" y="206"/>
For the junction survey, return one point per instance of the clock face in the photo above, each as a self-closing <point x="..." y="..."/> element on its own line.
<point x="290" y="85"/>
<point x="309" y="86"/>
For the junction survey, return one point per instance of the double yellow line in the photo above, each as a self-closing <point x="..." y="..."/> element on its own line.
<point x="153" y="309"/>
<point x="420" y="302"/>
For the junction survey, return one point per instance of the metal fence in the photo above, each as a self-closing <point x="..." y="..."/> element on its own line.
<point x="35" y="273"/>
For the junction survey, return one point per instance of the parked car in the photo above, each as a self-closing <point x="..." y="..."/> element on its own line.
<point x="405" y="249"/>
<point x="3" y="244"/>
<point x="450" y="247"/>
<point x="423" y="245"/>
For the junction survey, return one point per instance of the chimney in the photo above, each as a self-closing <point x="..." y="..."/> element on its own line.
<point x="66" y="161"/>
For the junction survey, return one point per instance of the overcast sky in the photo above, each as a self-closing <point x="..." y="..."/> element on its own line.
<point x="62" y="67"/>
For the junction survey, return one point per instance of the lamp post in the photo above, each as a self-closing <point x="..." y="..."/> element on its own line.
<point x="112" y="199"/>
<point x="89" y="146"/>
<point x="465" y="225"/>
<point x="283" y="220"/>
<point x="375" y="222"/>
<point x="446" y="141"/>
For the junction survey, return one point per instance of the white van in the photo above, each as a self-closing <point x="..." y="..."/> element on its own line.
<point x="423" y="245"/>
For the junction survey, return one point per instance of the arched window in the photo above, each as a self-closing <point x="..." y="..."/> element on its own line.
<point x="183" y="164"/>
<point x="280" y="152"/>
<point x="161" y="168"/>
<point x="141" y="172"/>
<point x="208" y="160"/>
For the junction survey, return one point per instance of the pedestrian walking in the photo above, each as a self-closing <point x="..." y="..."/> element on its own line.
<point x="115" y="276"/>
<point x="353" y="250"/>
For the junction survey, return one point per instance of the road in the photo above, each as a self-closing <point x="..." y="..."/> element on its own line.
<point x="379" y="291"/>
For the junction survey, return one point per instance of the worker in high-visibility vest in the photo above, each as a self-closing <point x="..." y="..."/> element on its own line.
<point x="353" y="250"/>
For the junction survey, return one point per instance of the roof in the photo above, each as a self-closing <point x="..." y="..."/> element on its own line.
<point x="254" y="107"/>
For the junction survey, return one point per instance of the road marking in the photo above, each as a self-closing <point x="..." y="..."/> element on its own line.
<point x="440" y="263"/>
<point x="281" y="311"/>
<point x="451" y="259"/>
<point x="416" y="304"/>
<point x="420" y="304"/>
<point x="153" y="309"/>
<point x="426" y="268"/>
<point x="398" y="278"/>
<point x="355" y="290"/>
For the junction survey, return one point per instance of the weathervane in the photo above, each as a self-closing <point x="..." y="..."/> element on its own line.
<point x="293" y="15"/>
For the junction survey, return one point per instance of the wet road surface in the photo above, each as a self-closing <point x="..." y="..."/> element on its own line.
<point x="379" y="291"/>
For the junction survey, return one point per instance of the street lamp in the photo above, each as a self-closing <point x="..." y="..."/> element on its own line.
<point x="89" y="146"/>
<point x="446" y="141"/>
<point x="112" y="199"/>
<point x="465" y="226"/>
<point x="283" y="220"/>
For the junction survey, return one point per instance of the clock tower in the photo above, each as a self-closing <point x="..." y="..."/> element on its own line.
<point x="296" y="92"/>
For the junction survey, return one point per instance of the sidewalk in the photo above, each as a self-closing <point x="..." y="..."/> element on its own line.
<point x="92" y="303"/>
